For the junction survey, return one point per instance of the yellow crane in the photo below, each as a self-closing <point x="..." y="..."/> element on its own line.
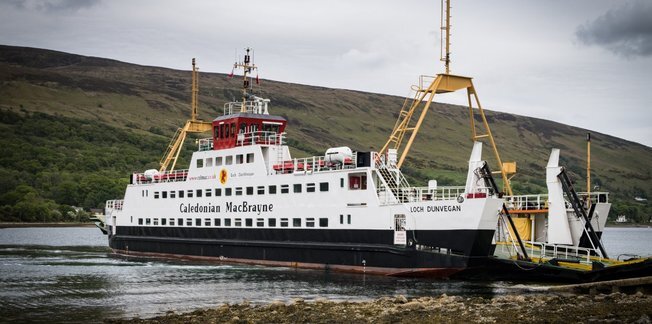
<point x="424" y="94"/>
<point x="193" y="125"/>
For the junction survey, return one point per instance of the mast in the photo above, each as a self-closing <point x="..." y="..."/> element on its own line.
<point x="588" y="169"/>
<point x="248" y="67"/>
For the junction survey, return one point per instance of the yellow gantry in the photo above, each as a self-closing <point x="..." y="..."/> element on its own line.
<point x="423" y="98"/>
<point x="193" y="125"/>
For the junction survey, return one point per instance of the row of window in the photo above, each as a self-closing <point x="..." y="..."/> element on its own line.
<point x="226" y="160"/>
<point x="239" y="191"/>
<point x="238" y="222"/>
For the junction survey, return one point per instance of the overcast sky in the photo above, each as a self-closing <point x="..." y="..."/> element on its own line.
<point x="586" y="63"/>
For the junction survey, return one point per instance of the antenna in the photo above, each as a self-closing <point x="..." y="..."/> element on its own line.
<point x="445" y="24"/>
<point x="247" y="66"/>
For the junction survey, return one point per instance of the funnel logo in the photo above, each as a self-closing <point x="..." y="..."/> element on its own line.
<point x="223" y="176"/>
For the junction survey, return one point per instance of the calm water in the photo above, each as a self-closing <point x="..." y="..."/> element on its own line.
<point x="66" y="274"/>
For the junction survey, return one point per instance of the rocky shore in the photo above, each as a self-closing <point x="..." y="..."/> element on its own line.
<point x="530" y="308"/>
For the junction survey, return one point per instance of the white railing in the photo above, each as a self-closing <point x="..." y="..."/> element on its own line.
<point x="540" y="202"/>
<point x="156" y="177"/>
<point x="255" y="106"/>
<point x="527" y="202"/>
<point x="314" y="164"/>
<point x="260" y="138"/>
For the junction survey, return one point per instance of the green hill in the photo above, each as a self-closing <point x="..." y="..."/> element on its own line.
<point x="74" y="127"/>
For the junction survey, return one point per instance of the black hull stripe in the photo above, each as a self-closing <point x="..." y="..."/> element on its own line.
<point x="465" y="242"/>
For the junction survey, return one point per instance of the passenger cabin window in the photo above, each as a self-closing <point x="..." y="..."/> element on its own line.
<point x="189" y="193"/>
<point x="164" y="194"/>
<point x="323" y="186"/>
<point x="271" y="222"/>
<point x="310" y="222"/>
<point x="260" y="222"/>
<point x="284" y="222"/>
<point x="323" y="222"/>
<point x="249" y="222"/>
<point x="239" y="159"/>
<point x="238" y="222"/>
<point x="218" y="192"/>
<point x="297" y="187"/>
<point x="155" y="194"/>
<point x="250" y="158"/>
<point x="208" y="192"/>
<point x="140" y="221"/>
<point x="207" y="222"/>
<point x="227" y="222"/>
<point x="228" y="160"/>
<point x="285" y="189"/>
<point x="171" y="221"/>
<point x="261" y="190"/>
<point x="200" y="163"/>
<point x="164" y="221"/>
<point x="228" y="191"/>
<point x="271" y="189"/>
<point x="296" y="222"/>
<point x="217" y="221"/>
<point x="310" y="187"/>
<point x="181" y="192"/>
<point x="173" y="194"/>
<point x="197" y="221"/>
<point x="250" y="191"/>
<point x="199" y="192"/>
<point x="357" y="181"/>
<point x="218" y="161"/>
<point x="209" y="162"/>
<point x="238" y="191"/>
<point x="180" y="221"/>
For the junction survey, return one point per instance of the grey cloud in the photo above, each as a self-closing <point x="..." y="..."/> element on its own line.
<point x="625" y="30"/>
<point x="53" y="5"/>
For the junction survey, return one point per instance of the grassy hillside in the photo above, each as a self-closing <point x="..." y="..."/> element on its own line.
<point x="94" y="95"/>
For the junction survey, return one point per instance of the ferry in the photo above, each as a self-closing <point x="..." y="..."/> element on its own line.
<point x="245" y="199"/>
